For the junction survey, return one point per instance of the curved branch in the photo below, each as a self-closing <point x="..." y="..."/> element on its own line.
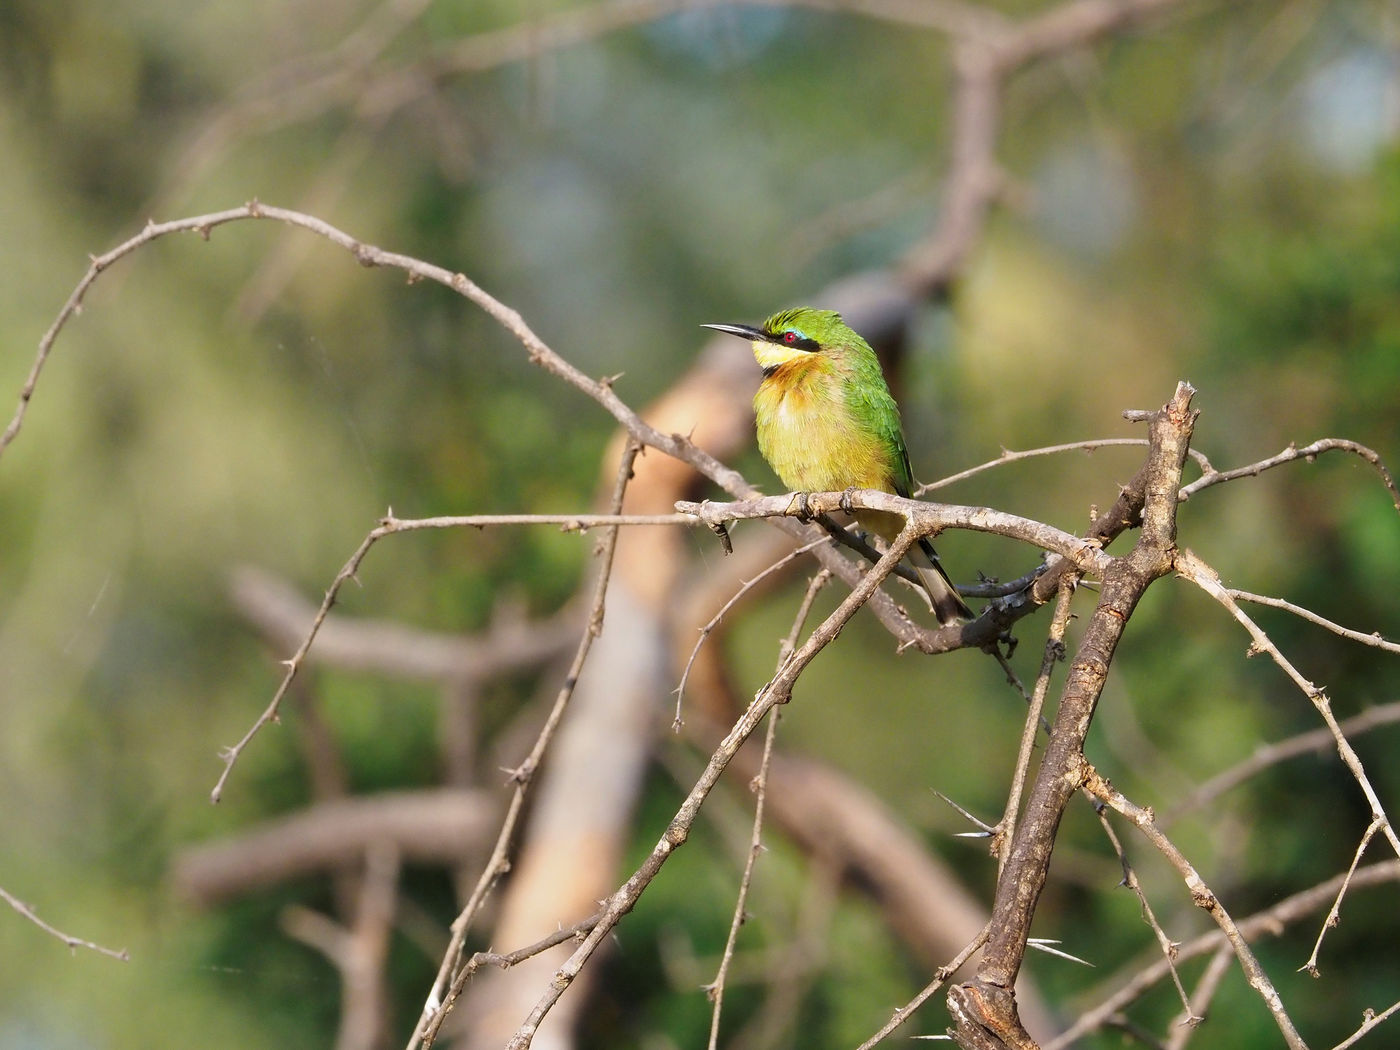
<point x="539" y="353"/>
<point x="439" y="826"/>
<point x="1291" y="455"/>
<point x="73" y="942"/>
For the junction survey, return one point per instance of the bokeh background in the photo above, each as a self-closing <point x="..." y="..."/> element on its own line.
<point x="1213" y="196"/>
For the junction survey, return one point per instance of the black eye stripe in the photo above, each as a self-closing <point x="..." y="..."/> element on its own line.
<point x="796" y="340"/>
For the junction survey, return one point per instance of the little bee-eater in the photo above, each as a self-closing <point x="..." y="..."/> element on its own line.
<point x="827" y="422"/>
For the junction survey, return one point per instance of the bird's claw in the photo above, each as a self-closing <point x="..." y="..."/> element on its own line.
<point x="804" y="511"/>
<point x="846" y="500"/>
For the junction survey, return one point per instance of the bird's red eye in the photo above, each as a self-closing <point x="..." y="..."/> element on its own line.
<point x="789" y="338"/>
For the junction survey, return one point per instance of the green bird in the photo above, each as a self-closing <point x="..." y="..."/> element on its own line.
<point x="827" y="422"/>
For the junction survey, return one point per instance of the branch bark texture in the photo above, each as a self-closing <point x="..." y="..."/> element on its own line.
<point x="984" y="1009"/>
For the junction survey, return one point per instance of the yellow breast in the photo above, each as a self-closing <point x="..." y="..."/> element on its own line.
<point x="809" y="436"/>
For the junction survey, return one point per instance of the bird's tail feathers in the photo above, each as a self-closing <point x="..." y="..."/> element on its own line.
<point x="947" y="604"/>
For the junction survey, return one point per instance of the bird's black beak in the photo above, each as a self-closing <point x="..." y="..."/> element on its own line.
<point x="743" y="331"/>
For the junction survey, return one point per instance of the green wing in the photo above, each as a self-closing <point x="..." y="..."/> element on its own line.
<point x="882" y="417"/>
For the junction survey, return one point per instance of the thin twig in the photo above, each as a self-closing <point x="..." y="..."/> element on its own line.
<point x="1013" y="456"/>
<point x="538" y="352"/>
<point x="505" y="960"/>
<point x="1054" y="653"/>
<point x="1334" y="914"/>
<point x="1272" y="921"/>
<point x="778" y="690"/>
<point x="718" y="617"/>
<point x="715" y="989"/>
<point x="1370" y="1021"/>
<point x="1374" y="638"/>
<point x="1203" y="897"/>
<point x="940" y="978"/>
<point x="68" y="939"/>
<point x="392" y="526"/>
<point x="1196" y="1010"/>
<point x="452" y="978"/>
<point x="1192" y="567"/>
<point x="1291" y="455"/>
<point x="1165" y="943"/>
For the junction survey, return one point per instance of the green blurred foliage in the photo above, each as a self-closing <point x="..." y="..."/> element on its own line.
<point x="1210" y="199"/>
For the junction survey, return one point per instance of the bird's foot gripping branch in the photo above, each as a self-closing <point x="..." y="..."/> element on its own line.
<point x="1081" y="555"/>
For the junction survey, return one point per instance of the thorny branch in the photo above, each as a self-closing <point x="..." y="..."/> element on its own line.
<point x="1054" y="652"/>
<point x="1202" y="897"/>
<point x="1069" y="554"/>
<point x="452" y="977"/>
<point x="715" y="990"/>
<point x="1292" y="454"/>
<point x="1270" y="922"/>
<point x="984" y="1009"/>
<point x="1208" y="580"/>
<point x="1165" y="943"/>
<point x="778" y="690"/>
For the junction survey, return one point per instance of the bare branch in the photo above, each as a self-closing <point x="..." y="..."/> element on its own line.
<point x="68" y="939"/>
<point x="1054" y="653"/>
<point x="1208" y="580"/>
<point x="1204" y="898"/>
<point x="1334" y="914"/>
<point x="438" y="826"/>
<point x="452" y="978"/>
<point x="1010" y="456"/>
<point x="505" y="960"/>
<point x="537" y="350"/>
<point x="1165" y="943"/>
<point x="1315" y="740"/>
<point x="1270" y="922"/>
<point x="718" y="617"/>
<point x="1291" y="455"/>
<point x="1190" y="1022"/>
<point x="1373" y="639"/>
<point x="760" y="787"/>
<point x="985" y="1008"/>
<point x="778" y="690"/>
<point x="1371" y="1021"/>
<point x="939" y="980"/>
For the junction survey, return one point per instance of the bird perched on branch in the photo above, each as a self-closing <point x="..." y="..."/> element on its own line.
<point x="827" y="422"/>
